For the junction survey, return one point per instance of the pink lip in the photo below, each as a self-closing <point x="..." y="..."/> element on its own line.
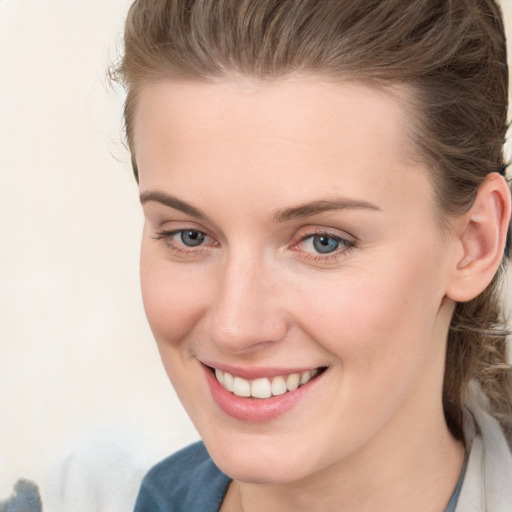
<point x="254" y="373"/>
<point x="255" y="410"/>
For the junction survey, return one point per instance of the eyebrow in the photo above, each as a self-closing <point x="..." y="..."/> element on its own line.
<point x="320" y="206"/>
<point x="278" y="216"/>
<point x="172" y="202"/>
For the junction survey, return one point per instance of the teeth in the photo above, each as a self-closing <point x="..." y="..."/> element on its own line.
<point x="241" y="387"/>
<point x="228" y="381"/>
<point x="305" y="377"/>
<point x="292" y="382"/>
<point x="263" y="387"/>
<point x="260" y="388"/>
<point x="278" y="386"/>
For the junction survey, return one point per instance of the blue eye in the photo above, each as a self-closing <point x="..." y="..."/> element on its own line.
<point x="325" y="244"/>
<point x="191" y="237"/>
<point x="184" y="239"/>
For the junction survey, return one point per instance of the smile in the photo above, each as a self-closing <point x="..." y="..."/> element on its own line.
<point x="264" y="387"/>
<point x="257" y="395"/>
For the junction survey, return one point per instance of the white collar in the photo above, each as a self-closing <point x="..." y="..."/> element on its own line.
<point x="487" y="485"/>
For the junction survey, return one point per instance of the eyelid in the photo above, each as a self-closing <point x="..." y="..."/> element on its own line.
<point x="167" y="226"/>
<point x="320" y="230"/>
<point x="167" y="233"/>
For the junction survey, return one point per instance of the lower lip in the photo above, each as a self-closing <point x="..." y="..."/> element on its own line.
<point x="256" y="410"/>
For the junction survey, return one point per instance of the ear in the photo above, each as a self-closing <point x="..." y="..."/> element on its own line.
<point x="481" y="235"/>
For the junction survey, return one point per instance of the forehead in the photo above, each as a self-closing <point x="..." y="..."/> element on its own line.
<point x="304" y="109"/>
<point x="297" y="137"/>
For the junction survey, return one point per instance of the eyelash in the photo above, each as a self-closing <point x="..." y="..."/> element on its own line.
<point x="345" y="245"/>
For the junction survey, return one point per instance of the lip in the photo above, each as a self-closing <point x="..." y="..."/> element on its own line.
<point x="255" y="410"/>
<point x="255" y="373"/>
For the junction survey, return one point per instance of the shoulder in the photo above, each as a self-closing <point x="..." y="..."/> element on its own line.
<point x="187" y="480"/>
<point x="178" y="468"/>
<point x="488" y="481"/>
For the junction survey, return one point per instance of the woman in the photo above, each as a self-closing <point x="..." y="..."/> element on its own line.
<point x="326" y="218"/>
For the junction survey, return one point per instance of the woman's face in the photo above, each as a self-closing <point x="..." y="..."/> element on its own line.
<point x="288" y="232"/>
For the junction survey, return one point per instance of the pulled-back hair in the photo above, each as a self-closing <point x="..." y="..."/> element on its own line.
<point x="450" y="54"/>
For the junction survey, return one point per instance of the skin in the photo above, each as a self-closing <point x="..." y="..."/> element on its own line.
<point x="371" y="434"/>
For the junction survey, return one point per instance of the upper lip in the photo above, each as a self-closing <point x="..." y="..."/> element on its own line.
<point x="251" y="373"/>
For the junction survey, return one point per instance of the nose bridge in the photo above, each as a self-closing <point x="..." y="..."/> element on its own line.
<point x="247" y="310"/>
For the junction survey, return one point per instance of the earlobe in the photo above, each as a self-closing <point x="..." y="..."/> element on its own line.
<point x="482" y="235"/>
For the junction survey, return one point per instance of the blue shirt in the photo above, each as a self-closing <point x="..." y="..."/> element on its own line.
<point x="187" y="481"/>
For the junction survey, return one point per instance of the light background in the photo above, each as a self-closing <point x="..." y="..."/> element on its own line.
<point x="77" y="359"/>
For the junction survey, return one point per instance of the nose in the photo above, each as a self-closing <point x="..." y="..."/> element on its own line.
<point x="247" y="311"/>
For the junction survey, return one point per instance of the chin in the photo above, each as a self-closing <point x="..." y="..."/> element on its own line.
<point x="259" y="472"/>
<point x="261" y="461"/>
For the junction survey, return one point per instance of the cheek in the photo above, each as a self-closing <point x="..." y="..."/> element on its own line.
<point x="380" y="319"/>
<point x="378" y="327"/>
<point x="173" y="300"/>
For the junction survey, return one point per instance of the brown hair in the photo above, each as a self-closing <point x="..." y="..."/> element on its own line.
<point x="450" y="53"/>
